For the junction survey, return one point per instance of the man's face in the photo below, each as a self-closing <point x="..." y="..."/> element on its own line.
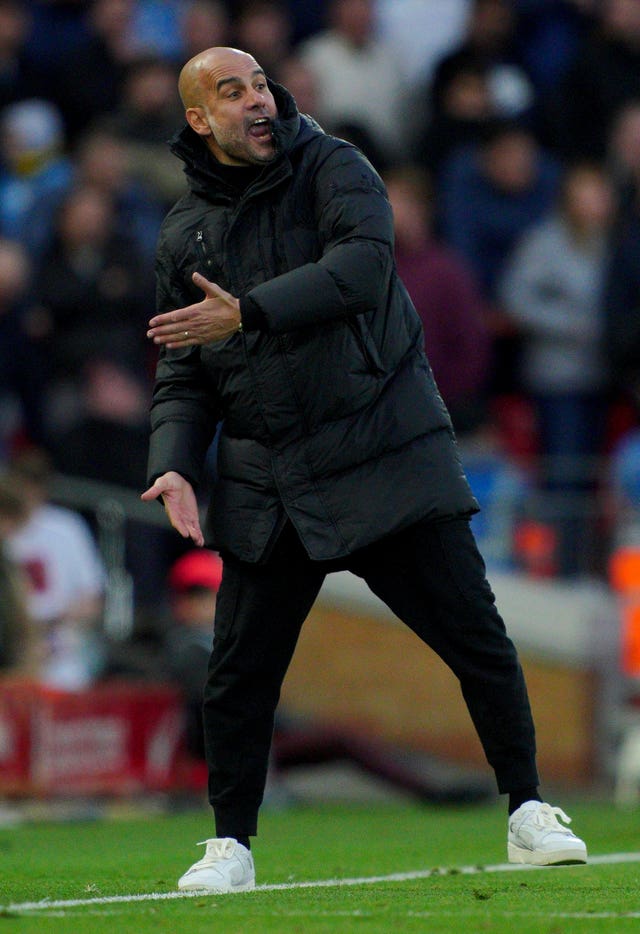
<point x="510" y="162"/>
<point x="237" y="111"/>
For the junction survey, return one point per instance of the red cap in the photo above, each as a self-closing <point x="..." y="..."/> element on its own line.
<point x="197" y="568"/>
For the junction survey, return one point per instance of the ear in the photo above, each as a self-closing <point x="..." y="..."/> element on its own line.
<point x="196" y="120"/>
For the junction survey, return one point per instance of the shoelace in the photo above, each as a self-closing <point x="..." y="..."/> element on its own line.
<point x="547" y="816"/>
<point x="216" y="849"/>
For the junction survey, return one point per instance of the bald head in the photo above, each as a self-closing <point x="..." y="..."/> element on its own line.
<point x="199" y="74"/>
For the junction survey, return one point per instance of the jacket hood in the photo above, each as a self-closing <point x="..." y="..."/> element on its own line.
<point x="290" y="129"/>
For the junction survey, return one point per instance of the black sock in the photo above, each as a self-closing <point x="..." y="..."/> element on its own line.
<point x="244" y="841"/>
<point x="518" y="797"/>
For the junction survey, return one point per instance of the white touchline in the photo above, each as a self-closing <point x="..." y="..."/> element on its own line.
<point x="47" y="904"/>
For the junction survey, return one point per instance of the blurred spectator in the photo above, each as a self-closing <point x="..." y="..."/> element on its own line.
<point x="194" y="580"/>
<point x="145" y="120"/>
<point x="307" y="18"/>
<point x="88" y="84"/>
<point x="622" y="304"/>
<point x="623" y="153"/>
<point x="102" y="160"/>
<point x="490" y="41"/>
<point x="446" y="297"/>
<point x="550" y="33"/>
<point x="22" y="362"/>
<point x="490" y="194"/>
<point x="264" y="29"/>
<point x="553" y="289"/>
<point x="58" y="554"/>
<point x="204" y="24"/>
<point x="624" y="479"/>
<point x="156" y="28"/>
<point x="300" y="81"/>
<point x="604" y="76"/>
<point x="58" y="28"/>
<point x="21" y="76"/>
<point x="34" y="171"/>
<point x="348" y="61"/>
<point x="114" y="420"/>
<point x="625" y="489"/>
<point x="459" y="111"/>
<point x="502" y="487"/>
<point x="622" y="293"/>
<point x="422" y="31"/>
<point x="94" y="291"/>
<point x="14" y="618"/>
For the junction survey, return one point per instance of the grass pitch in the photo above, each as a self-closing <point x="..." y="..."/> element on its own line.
<point x="80" y="876"/>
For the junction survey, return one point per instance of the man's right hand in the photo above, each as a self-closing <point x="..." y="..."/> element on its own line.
<point x="180" y="504"/>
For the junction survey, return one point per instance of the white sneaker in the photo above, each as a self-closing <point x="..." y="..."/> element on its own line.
<point x="537" y="837"/>
<point x="227" y="866"/>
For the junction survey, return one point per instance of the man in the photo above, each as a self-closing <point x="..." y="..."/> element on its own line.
<point x="335" y="449"/>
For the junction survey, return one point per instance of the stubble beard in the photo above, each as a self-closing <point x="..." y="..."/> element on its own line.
<point x="239" y="147"/>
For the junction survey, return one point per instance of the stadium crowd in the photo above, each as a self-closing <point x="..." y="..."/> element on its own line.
<point x="508" y="134"/>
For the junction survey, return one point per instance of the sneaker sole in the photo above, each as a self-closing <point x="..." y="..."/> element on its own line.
<point x="569" y="857"/>
<point x="217" y="890"/>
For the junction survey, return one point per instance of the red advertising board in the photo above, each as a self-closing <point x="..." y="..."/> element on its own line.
<point x="15" y="736"/>
<point x="115" y="738"/>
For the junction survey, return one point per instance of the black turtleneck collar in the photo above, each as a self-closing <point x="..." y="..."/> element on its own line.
<point x="238" y="177"/>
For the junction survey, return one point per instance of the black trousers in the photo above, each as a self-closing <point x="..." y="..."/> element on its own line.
<point x="432" y="576"/>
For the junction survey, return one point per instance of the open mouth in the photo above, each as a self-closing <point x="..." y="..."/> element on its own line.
<point x="260" y="129"/>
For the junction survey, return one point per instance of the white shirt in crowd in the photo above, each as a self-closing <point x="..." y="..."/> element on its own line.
<point x="61" y="559"/>
<point x="67" y="580"/>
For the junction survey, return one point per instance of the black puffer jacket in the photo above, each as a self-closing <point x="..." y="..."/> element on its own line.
<point x="330" y="414"/>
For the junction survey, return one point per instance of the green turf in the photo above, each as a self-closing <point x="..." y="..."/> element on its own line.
<point x="83" y="860"/>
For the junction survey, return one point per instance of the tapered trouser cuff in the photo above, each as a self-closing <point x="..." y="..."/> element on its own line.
<point x="237" y="820"/>
<point x="517" y="776"/>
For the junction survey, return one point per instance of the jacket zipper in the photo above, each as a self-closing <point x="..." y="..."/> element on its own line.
<point x="203" y="249"/>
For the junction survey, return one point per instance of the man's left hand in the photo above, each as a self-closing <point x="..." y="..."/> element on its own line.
<point x="216" y="317"/>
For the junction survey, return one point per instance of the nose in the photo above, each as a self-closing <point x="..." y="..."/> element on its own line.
<point x="256" y="98"/>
